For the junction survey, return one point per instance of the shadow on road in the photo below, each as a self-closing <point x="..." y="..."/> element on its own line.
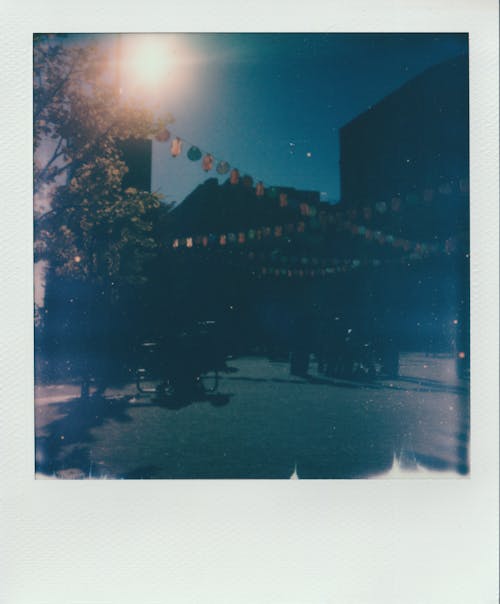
<point x="64" y="444"/>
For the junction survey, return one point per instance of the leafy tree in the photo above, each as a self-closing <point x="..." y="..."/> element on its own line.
<point x="94" y="231"/>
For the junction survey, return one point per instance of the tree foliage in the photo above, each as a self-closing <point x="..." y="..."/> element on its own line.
<point x="94" y="229"/>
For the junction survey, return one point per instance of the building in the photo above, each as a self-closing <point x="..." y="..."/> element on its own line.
<point x="411" y="150"/>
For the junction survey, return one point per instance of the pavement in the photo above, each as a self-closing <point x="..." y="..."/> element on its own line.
<point x="263" y="423"/>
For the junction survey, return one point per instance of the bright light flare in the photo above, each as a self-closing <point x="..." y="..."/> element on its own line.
<point x="147" y="58"/>
<point x="153" y="66"/>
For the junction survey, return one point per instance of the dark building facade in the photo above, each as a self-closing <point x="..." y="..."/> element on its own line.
<point x="413" y="145"/>
<point x="137" y="154"/>
<point x="405" y="173"/>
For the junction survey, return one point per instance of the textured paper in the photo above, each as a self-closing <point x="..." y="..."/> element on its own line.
<point x="276" y="542"/>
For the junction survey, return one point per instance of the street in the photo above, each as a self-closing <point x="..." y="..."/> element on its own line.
<point x="263" y="423"/>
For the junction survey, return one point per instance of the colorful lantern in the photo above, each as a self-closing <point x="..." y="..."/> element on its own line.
<point x="194" y="154"/>
<point x="176" y="147"/>
<point x="208" y="162"/>
<point x="222" y="167"/>
<point x="396" y="204"/>
<point x="234" y="178"/>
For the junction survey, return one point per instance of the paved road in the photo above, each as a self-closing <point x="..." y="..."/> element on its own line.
<point x="265" y="424"/>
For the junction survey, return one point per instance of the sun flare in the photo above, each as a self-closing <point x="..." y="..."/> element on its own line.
<point x="148" y="58"/>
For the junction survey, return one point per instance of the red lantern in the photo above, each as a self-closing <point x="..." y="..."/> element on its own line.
<point x="208" y="162"/>
<point x="234" y="179"/>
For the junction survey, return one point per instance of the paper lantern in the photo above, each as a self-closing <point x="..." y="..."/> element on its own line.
<point x="234" y="178"/>
<point x="283" y="200"/>
<point x="194" y="154"/>
<point x="176" y="147"/>
<point x="208" y="162"/>
<point x="396" y="204"/>
<point x="259" y="189"/>
<point x="222" y="167"/>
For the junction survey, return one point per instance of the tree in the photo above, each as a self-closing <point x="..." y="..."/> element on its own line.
<point x="94" y="231"/>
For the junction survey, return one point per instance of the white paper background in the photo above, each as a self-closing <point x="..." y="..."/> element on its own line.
<point x="273" y="542"/>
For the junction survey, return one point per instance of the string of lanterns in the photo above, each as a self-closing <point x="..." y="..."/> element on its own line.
<point x="209" y="161"/>
<point x="307" y="210"/>
<point x="417" y="249"/>
<point x="222" y="167"/>
<point x="336" y="267"/>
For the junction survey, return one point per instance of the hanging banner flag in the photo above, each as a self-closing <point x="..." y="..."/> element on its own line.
<point x="194" y="154"/>
<point x="208" y="162"/>
<point x="176" y="147"/>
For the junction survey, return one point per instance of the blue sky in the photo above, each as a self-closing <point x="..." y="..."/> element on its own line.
<point x="272" y="104"/>
<point x="269" y="104"/>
